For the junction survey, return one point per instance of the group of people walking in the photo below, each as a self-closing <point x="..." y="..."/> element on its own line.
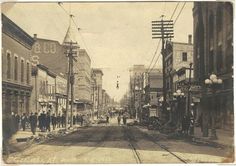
<point x="44" y="121"/>
<point x="124" y="119"/>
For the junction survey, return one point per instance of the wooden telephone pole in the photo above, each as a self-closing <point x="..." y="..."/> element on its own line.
<point x="163" y="29"/>
<point x="71" y="53"/>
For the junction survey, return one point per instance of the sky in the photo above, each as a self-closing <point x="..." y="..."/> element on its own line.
<point x="116" y="35"/>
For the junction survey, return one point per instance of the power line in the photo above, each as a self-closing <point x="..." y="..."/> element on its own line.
<point x="159" y="43"/>
<point x="72" y="18"/>
<point x="180" y="12"/>
<point x="154" y="54"/>
<point x="174" y="10"/>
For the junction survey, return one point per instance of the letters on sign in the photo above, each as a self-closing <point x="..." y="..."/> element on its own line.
<point x="46" y="48"/>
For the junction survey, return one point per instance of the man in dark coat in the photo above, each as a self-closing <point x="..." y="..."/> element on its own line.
<point x="54" y="121"/>
<point x="17" y="121"/>
<point x="74" y="119"/>
<point x="48" y="121"/>
<point x="33" y="122"/>
<point x="43" y="121"/>
<point x="124" y="120"/>
<point x="58" y="120"/>
<point x="40" y="122"/>
<point x="63" y="120"/>
<point x="77" y="118"/>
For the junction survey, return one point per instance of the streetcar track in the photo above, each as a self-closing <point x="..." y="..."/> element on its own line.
<point x="151" y="138"/>
<point x="133" y="146"/>
<point x="101" y="143"/>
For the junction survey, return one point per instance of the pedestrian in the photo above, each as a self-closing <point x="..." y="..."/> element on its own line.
<point x="58" y="120"/>
<point x="48" y="121"/>
<point x="81" y="120"/>
<point x="107" y="119"/>
<point x="63" y="120"/>
<point x="17" y="121"/>
<point x="54" y="121"/>
<point x="77" y="118"/>
<point x="43" y="121"/>
<point x="33" y="122"/>
<point x="74" y="119"/>
<point x="23" y="121"/>
<point x="124" y="120"/>
<point x="118" y="119"/>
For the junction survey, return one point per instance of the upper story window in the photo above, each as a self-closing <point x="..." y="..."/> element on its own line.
<point x="16" y="68"/>
<point x="8" y="65"/>
<point x="184" y="56"/>
<point x="22" y="70"/>
<point x="28" y="73"/>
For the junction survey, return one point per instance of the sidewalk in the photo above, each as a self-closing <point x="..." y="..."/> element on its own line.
<point x="225" y="138"/>
<point x="24" y="139"/>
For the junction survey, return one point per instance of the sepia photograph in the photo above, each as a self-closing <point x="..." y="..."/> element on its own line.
<point x="117" y="82"/>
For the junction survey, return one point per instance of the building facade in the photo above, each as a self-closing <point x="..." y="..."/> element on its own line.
<point x="44" y="90"/>
<point x="82" y="86"/>
<point x="153" y="90"/>
<point x="97" y="77"/>
<point x="178" y="56"/>
<point x="213" y="54"/>
<point x="16" y="68"/>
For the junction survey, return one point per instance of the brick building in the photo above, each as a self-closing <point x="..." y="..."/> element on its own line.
<point x="178" y="56"/>
<point x="97" y="76"/>
<point x="16" y="68"/>
<point x="213" y="53"/>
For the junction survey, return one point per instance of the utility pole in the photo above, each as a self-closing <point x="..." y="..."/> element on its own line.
<point x="189" y="86"/>
<point x="70" y="46"/>
<point x="163" y="30"/>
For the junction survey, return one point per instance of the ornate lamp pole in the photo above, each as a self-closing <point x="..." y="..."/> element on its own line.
<point x="179" y="95"/>
<point x="213" y="82"/>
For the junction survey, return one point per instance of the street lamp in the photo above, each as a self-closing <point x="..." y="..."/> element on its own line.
<point x="179" y="95"/>
<point x="213" y="82"/>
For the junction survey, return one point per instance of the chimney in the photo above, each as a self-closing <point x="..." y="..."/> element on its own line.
<point x="35" y="36"/>
<point x="189" y="39"/>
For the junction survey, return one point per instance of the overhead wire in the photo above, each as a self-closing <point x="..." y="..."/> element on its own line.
<point x="180" y="12"/>
<point x="77" y="27"/>
<point x="160" y="39"/>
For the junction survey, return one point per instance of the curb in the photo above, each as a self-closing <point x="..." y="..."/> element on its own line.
<point x="40" y="139"/>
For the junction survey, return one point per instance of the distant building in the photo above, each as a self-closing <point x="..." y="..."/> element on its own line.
<point x="97" y="76"/>
<point x="16" y="68"/>
<point x="178" y="57"/>
<point x="82" y="85"/>
<point x="213" y="53"/>
<point x="136" y="84"/>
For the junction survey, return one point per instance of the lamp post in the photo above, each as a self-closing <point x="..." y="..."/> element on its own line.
<point x="179" y="95"/>
<point x="213" y="82"/>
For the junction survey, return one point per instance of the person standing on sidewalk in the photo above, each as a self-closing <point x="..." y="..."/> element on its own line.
<point x="58" y="120"/>
<point x="33" y="122"/>
<point x="54" y="121"/>
<point x="48" y="122"/>
<point x="43" y="121"/>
